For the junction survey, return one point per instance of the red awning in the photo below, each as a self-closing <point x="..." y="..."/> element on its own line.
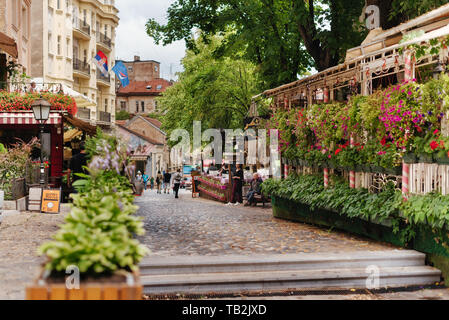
<point x="27" y="118"/>
<point x="8" y="45"/>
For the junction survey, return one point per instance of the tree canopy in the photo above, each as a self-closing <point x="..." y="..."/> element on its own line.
<point x="283" y="38"/>
<point x="215" y="91"/>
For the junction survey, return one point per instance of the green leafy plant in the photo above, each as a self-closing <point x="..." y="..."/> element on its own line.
<point x="98" y="236"/>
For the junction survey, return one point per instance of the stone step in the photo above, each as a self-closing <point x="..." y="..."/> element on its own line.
<point x="263" y="281"/>
<point x="203" y="264"/>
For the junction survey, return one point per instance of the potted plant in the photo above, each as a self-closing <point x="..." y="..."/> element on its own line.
<point x="97" y="239"/>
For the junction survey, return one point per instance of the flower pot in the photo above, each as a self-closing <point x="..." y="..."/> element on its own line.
<point x="425" y="158"/>
<point x="376" y="169"/>
<point x="396" y="171"/>
<point x="121" y="286"/>
<point x="442" y="160"/>
<point x="410" y="158"/>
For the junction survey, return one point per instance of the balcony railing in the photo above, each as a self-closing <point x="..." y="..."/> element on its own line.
<point x="81" y="66"/>
<point x="81" y="25"/>
<point x="104" y="39"/>
<point x="104" y="117"/>
<point x="83" y="114"/>
<point x="102" y="77"/>
<point x="31" y="87"/>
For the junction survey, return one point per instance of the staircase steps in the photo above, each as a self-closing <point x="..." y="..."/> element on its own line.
<point x="238" y="274"/>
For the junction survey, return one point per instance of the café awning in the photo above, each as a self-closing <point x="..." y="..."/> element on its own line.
<point x="82" y="125"/>
<point x="27" y="118"/>
<point x="72" y="134"/>
<point x="8" y="45"/>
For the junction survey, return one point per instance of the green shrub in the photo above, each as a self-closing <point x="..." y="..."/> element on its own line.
<point x="98" y="236"/>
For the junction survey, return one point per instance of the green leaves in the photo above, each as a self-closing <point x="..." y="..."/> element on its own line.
<point x="98" y="235"/>
<point x="353" y="203"/>
<point x="216" y="91"/>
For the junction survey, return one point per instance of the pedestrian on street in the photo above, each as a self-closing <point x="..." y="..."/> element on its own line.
<point x="77" y="165"/>
<point x="152" y="183"/>
<point x="167" y="184"/>
<point x="256" y="188"/>
<point x="159" y="180"/>
<point x="237" y="186"/>
<point x="177" y="178"/>
<point x="145" y="178"/>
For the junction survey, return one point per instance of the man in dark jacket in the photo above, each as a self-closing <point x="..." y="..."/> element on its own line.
<point x="167" y="180"/>
<point x="77" y="164"/>
<point x="256" y="188"/>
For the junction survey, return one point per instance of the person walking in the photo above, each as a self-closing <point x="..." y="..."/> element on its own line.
<point x="237" y="186"/>
<point x="177" y="178"/>
<point x="159" y="180"/>
<point x="167" y="182"/>
<point x="77" y="165"/>
<point x="145" y="178"/>
<point x="152" y="183"/>
<point x="256" y="188"/>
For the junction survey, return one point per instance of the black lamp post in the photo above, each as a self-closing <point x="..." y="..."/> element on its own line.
<point x="41" y="110"/>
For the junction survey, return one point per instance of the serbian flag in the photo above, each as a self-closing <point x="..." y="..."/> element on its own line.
<point x="122" y="73"/>
<point x="102" y="63"/>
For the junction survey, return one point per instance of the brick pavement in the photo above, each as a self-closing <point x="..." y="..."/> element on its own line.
<point x="202" y="227"/>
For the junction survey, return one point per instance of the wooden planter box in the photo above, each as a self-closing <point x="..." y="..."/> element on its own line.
<point x="90" y="290"/>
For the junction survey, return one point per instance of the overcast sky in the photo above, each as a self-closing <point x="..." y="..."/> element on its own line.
<point x="133" y="40"/>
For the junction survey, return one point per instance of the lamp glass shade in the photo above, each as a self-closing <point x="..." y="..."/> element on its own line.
<point x="41" y="110"/>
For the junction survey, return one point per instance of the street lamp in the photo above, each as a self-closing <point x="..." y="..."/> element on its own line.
<point x="41" y="110"/>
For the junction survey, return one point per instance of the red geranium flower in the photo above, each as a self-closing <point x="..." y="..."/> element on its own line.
<point x="434" y="145"/>
<point x="338" y="151"/>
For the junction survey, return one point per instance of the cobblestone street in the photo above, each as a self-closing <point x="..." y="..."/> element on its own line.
<point x="201" y="227"/>
<point x="20" y="237"/>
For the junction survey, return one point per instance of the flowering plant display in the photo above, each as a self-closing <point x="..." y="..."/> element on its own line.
<point x="15" y="101"/>
<point x="383" y="127"/>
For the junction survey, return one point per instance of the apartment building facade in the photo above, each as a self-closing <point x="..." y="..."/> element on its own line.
<point x="67" y="34"/>
<point x="145" y="86"/>
<point x="15" y="29"/>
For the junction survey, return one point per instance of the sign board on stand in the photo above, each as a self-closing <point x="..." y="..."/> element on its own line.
<point x="51" y="201"/>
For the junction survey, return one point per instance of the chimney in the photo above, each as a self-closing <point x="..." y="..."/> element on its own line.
<point x="136" y="58"/>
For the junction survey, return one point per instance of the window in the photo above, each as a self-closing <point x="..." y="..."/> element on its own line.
<point x="130" y="68"/>
<point x="123" y="105"/>
<point x="156" y="68"/>
<point x="59" y="46"/>
<point x="159" y="87"/>
<point x="15" y="10"/>
<point x="68" y="47"/>
<point x="25" y="22"/>
<point x="50" y="44"/>
<point x="106" y="105"/>
<point x="143" y="106"/>
<point x="155" y="104"/>
<point x="58" y="4"/>
<point x="137" y="106"/>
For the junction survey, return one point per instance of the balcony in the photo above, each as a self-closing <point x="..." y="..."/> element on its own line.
<point x="103" y="80"/>
<point x="104" y="41"/>
<point x="81" y="29"/>
<point x="103" y="118"/>
<point x="83" y="114"/>
<point x="81" y="68"/>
